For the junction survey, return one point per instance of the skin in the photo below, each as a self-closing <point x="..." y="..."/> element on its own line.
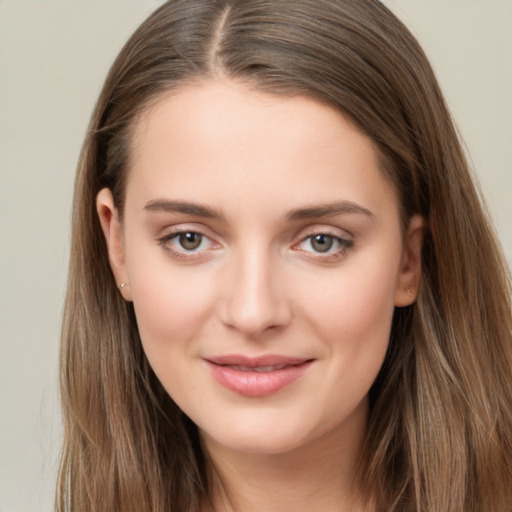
<point x="257" y="283"/>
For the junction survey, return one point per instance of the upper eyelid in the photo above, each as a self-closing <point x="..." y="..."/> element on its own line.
<point x="303" y="234"/>
<point x="344" y="242"/>
<point x="170" y="231"/>
<point x="174" y="234"/>
<point x="333" y="231"/>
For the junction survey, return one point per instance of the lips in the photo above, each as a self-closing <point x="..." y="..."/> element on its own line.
<point x="259" y="376"/>
<point x="260" y="369"/>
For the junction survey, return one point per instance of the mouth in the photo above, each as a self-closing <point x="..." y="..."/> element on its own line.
<point x="259" y="369"/>
<point x="257" y="377"/>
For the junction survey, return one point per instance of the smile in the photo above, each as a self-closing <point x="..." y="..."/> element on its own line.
<point x="259" y="376"/>
<point x="260" y="369"/>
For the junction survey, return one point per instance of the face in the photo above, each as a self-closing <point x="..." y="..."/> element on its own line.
<point x="262" y="249"/>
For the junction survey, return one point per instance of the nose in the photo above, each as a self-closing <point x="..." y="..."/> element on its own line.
<point x="254" y="299"/>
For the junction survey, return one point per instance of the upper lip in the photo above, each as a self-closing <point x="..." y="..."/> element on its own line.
<point x="256" y="362"/>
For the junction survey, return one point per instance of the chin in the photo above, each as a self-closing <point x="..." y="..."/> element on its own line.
<point x="270" y="436"/>
<point x="262" y="443"/>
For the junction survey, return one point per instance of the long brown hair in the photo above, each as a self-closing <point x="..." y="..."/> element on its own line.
<point x="440" y="426"/>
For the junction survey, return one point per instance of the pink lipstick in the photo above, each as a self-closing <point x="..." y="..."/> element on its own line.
<point x="258" y="376"/>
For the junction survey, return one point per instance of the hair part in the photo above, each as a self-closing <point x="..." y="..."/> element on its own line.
<point x="440" y="426"/>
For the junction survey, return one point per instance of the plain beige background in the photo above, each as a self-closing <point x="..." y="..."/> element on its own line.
<point x="53" y="58"/>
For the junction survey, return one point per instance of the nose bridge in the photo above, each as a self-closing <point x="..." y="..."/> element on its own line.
<point x="255" y="301"/>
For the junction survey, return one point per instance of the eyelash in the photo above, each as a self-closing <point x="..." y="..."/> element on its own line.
<point x="183" y="254"/>
<point x="342" y="245"/>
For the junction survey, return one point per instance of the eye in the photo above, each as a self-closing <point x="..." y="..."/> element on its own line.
<point x="186" y="244"/>
<point x="189" y="241"/>
<point x="321" y="243"/>
<point x="324" y="245"/>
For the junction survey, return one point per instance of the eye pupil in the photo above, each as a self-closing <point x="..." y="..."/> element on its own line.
<point x="190" y="241"/>
<point x="322" y="243"/>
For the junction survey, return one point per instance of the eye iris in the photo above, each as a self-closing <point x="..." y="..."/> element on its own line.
<point x="322" y="243"/>
<point x="190" y="241"/>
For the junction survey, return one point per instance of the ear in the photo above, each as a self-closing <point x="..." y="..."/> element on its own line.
<point x="409" y="275"/>
<point x="109" y="219"/>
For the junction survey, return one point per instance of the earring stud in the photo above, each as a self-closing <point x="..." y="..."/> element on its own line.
<point x="122" y="285"/>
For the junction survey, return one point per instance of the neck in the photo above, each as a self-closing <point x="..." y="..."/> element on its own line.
<point x="318" y="475"/>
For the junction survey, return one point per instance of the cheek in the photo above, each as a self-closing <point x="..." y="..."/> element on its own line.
<point x="368" y="306"/>
<point x="352" y="313"/>
<point x="357" y="300"/>
<point x="171" y="303"/>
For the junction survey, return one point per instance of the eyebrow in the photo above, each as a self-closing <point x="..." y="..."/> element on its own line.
<point x="169" y="206"/>
<point x="313" y="212"/>
<point x="328" y="210"/>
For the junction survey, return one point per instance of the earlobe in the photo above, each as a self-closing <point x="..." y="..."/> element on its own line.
<point x="109" y="220"/>
<point x="410" y="267"/>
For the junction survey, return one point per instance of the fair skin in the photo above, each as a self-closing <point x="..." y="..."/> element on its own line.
<point x="261" y="247"/>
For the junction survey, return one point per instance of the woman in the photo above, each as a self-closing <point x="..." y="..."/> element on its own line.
<point x="284" y="293"/>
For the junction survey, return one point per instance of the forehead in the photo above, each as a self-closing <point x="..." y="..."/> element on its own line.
<point x="224" y="138"/>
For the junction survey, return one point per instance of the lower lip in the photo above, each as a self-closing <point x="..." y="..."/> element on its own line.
<point x="257" y="383"/>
